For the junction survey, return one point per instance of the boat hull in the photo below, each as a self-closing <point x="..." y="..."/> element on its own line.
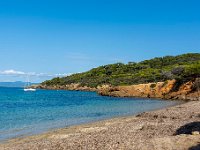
<point x="30" y="89"/>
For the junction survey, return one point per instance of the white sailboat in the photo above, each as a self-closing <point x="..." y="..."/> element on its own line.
<point x="29" y="89"/>
<point x="27" y="86"/>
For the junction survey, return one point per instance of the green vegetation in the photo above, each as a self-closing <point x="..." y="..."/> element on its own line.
<point x="182" y="68"/>
<point x="153" y="85"/>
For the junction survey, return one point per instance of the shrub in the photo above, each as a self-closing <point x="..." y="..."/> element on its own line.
<point x="182" y="68"/>
<point x="153" y="85"/>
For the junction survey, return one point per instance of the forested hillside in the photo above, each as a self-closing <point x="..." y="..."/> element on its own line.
<point x="182" y="68"/>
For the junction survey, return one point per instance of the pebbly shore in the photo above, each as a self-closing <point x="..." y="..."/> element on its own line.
<point x="174" y="128"/>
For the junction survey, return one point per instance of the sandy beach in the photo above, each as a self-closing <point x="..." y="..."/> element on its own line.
<point x="174" y="128"/>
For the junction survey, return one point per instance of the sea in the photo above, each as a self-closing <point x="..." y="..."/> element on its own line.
<point x="28" y="113"/>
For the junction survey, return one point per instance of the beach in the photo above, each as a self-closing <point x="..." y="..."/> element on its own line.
<point x="99" y="75"/>
<point x="175" y="127"/>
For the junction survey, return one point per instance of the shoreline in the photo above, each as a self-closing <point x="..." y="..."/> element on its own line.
<point x="162" y="90"/>
<point x="133" y="132"/>
<point x="176" y="102"/>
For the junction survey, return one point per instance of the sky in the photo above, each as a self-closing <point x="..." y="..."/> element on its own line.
<point x="49" y="38"/>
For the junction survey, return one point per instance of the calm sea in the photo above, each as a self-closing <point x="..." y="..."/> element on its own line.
<point x="27" y="113"/>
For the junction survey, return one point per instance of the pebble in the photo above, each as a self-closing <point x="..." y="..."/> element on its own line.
<point x="195" y="133"/>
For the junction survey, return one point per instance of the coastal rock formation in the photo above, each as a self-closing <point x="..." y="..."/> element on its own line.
<point x="73" y="86"/>
<point x="164" y="90"/>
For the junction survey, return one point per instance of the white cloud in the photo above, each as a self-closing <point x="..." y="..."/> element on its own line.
<point x="63" y="74"/>
<point x="12" y="72"/>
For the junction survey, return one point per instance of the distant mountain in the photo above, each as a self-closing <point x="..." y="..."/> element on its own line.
<point x="14" y="84"/>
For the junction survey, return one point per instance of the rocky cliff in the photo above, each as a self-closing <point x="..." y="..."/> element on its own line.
<point x="164" y="90"/>
<point x="73" y="86"/>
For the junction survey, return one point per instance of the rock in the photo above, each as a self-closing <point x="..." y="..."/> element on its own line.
<point x="195" y="133"/>
<point x="163" y="90"/>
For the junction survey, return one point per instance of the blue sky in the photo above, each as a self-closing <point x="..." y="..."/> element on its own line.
<point x="47" y="38"/>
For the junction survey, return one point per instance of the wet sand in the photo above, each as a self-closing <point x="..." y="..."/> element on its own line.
<point x="166" y="129"/>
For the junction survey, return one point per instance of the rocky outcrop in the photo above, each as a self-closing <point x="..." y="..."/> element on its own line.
<point x="164" y="90"/>
<point x="73" y="86"/>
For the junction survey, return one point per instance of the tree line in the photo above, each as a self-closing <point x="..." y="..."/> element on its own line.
<point x="183" y="68"/>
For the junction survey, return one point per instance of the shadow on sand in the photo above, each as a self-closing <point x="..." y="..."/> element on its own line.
<point x="188" y="128"/>
<point x="197" y="147"/>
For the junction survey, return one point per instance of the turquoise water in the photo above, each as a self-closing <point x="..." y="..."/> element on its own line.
<point x="27" y="113"/>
